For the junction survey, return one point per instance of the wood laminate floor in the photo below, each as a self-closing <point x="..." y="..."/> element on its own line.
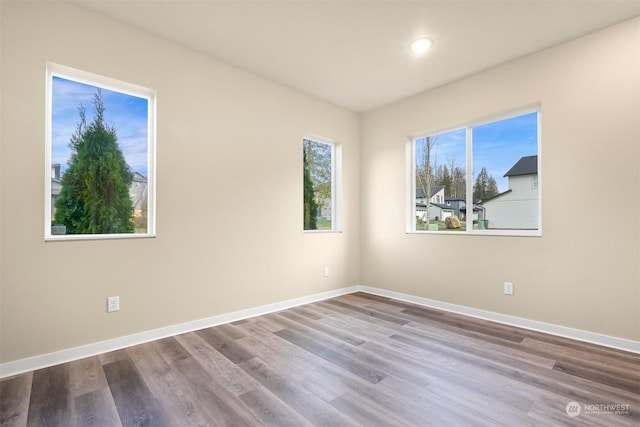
<point x="354" y="360"/>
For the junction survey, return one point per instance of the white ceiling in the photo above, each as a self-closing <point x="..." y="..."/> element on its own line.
<point x="355" y="54"/>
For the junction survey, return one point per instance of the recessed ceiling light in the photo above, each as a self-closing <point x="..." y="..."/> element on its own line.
<point x="421" y="45"/>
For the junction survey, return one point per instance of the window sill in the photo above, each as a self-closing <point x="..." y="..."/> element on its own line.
<point x="77" y="237"/>
<point x="505" y="233"/>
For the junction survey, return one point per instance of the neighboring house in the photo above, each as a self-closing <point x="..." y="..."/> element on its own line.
<point x="438" y="209"/>
<point x="138" y="191"/>
<point x="324" y="209"/>
<point x="516" y="208"/>
<point x="56" y="186"/>
<point x="457" y="205"/>
<point x="477" y="213"/>
<point x="437" y="195"/>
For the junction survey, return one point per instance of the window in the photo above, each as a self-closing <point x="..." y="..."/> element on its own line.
<point x="321" y="175"/>
<point x="479" y="179"/>
<point x="100" y="155"/>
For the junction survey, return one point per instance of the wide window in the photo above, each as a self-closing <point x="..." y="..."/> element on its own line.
<point x="479" y="179"/>
<point x="100" y="157"/>
<point x="321" y="175"/>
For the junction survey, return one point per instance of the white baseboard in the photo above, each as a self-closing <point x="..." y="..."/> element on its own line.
<point x="67" y="355"/>
<point x="562" y="331"/>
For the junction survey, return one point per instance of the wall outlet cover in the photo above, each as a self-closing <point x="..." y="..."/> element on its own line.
<point x="113" y="304"/>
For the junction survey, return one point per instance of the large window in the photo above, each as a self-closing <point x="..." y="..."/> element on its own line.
<point x="100" y="157"/>
<point x="479" y="179"/>
<point x="321" y="175"/>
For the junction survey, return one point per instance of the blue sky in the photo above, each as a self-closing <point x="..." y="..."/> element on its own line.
<point x="496" y="146"/>
<point x="126" y="113"/>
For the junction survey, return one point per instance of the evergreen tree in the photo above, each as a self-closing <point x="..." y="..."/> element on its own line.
<point x="443" y="178"/>
<point x="485" y="186"/>
<point x="458" y="178"/>
<point x="94" y="198"/>
<point x="492" y="187"/>
<point x="309" y="197"/>
<point x="319" y="165"/>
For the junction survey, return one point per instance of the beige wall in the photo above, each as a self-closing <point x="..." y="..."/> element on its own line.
<point x="584" y="271"/>
<point x="225" y="139"/>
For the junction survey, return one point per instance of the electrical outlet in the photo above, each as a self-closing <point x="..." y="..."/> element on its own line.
<point x="113" y="304"/>
<point x="326" y="272"/>
<point x="508" y="288"/>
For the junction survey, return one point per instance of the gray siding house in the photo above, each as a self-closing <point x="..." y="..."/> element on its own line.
<point x="516" y="208"/>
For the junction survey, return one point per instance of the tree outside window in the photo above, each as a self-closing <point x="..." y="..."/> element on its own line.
<point x="495" y="190"/>
<point x="319" y="197"/>
<point x="100" y="148"/>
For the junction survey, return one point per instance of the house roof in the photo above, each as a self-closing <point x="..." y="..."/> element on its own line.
<point x="496" y="196"/>
<point x="527" y="165"/>
<point x="420" y="192"/>
<point x="138" y="177"/>
<point x="475" y="209"/>
<point x="438" y="205"/>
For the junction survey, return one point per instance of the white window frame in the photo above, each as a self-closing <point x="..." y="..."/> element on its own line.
<point x="98" y="81"/>
<point x="410" y="158"/>
<point x="336" y="183"/>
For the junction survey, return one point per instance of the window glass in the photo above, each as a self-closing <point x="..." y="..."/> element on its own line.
<point x="319" y="185"/>
<point x="505" y="160"/>
<point x="100" y="149"/>
<point x="482" y="178"/>
<point x="440" y="181"/>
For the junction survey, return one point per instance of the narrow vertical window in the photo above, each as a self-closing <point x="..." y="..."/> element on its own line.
<point x="319" y="183"/>
<point x="100" y="151"/>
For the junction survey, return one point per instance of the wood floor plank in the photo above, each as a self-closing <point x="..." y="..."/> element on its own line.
<point x="600" y="375"/>
<point x="558" y="351"/>
<point x="95" y="408"/>
<point x="228" y="373"/>
<point x="85" y="376"/>
<point x="363" y="413"/>
<point x="482" y="346"/>
<point x="457" y="376"/>
<point x="15" y="393"/>
<point x="179" y="403"/>
<point x="171" y="350"/>
<point x="135" y="403"/>
<point x="548" y="380"/>
<point x="214" y="401"/>
<point x="369" y="313"/>
<point x="51" y="402"/>
<point x="225" y="345"/>
<point x="366" y="329"/>
<point x="331" y="355"/>
<point x="306" y="404"/>
<point x="353" y="360"/>
<point x="342" y="335"/>
<point x="271" y="410"/>
<point x="363" y="298"/>
<point x="283" y="355"/>
<point x="315" y="382"/>
<point x="388" y="400"/>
